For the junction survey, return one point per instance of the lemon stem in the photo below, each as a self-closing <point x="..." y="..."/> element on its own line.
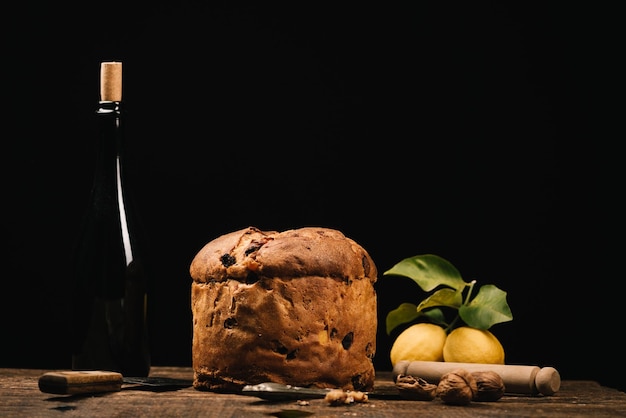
<point x="452" y="324"/>
<point x="465" y="302"/>
<point x="469" y="292"/>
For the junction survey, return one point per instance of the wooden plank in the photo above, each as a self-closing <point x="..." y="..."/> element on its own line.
<point x="20" y="396"/>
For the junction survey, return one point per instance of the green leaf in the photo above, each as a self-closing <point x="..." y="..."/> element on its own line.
<point x="404" y="313"/>
<point x="443" y="297"/>
<point x="428" y="271"/>
<point x="436" y="316"/>
<point x="488" y="307"/>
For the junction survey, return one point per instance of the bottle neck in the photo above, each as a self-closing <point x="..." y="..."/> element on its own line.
<point x="110" y="179"/>
<point x="106" y="106"/>
<point x="110" y="124"/>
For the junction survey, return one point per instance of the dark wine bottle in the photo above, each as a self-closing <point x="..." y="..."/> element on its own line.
<point x="110" y="327"/>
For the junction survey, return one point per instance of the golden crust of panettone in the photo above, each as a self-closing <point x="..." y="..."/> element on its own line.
<point x="310" y="251"/>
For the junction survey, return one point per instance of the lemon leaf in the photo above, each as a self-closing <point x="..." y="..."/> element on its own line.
<point x="404" y="313"/>
<point x="428" y="271"/>
<point x="487" y="308"/>
<point x="435" y="315"/>
<point x="442" y="297"/>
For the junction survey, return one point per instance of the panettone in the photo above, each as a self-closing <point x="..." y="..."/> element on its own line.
<point x="296" y="307"/>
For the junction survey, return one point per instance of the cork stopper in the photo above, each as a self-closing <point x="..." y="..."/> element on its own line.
<point x="111" y="81"/>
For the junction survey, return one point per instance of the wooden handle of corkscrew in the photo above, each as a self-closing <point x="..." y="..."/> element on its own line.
<point x="520" y="379"/>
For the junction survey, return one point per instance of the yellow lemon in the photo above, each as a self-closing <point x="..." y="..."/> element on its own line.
<point x="472" y="345"/>
<point x="423" y="341"/>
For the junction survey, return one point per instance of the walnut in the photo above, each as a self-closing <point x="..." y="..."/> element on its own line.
<point x="358" y="396"/>
<point x="415" y="388"/>
<point x="490" y="386"/>
<point x="337" y="397"/>
<point x="457" y="387"/>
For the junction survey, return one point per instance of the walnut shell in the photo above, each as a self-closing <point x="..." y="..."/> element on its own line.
<point x="490" y="386"/>
<point x="415" y="388"/>
<point x="457" y="387"/>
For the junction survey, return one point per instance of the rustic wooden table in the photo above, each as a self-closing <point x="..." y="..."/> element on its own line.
<point x="20" y="397"/>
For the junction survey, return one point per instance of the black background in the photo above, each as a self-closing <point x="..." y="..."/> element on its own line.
<point x="477" y="132"/>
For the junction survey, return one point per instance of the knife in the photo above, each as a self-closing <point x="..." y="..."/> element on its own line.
<point x="99" y="381"/>
<point x="281" y="392"/>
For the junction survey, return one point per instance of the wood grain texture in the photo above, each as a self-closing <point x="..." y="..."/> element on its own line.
<point x="21" y="397"/>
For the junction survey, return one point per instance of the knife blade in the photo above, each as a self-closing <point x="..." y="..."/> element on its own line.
<point x="281" y="392"/>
